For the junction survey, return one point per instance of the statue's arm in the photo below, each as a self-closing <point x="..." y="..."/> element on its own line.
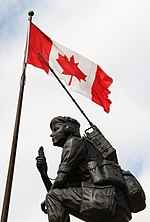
<point x="73" y="152"/>
<point x="41" y="165"/>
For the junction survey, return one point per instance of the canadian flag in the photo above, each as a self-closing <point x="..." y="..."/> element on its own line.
<point x="78" y="72"/>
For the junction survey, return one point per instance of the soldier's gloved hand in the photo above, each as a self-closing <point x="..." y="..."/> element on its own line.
<point x="43" y="207"/>
<point x="41" y="164"/>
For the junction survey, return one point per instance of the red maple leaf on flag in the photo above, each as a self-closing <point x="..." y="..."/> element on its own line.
<point x="70" y="68"/>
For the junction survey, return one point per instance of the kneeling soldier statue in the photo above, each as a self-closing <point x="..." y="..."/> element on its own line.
<point x="83" y="186"/>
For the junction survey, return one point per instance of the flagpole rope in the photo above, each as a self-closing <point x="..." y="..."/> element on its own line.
<point x="83" y="113"/>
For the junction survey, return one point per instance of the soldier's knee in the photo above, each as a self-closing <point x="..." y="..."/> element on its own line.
<point x="54" y="192"/>
<point x="53" y="196"/>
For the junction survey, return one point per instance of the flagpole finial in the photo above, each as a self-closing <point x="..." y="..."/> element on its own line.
<point x="30" y="14"/>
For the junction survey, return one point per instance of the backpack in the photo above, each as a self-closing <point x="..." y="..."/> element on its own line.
<point x="108" y="172"/>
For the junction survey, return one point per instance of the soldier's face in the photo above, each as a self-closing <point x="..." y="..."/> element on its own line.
<point x="58" y="134"/>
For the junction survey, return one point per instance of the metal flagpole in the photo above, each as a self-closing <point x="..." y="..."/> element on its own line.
<point x="91" y="124"/>
<point x="8" y="187"/>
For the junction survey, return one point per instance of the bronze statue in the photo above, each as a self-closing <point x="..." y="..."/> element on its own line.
<point x="80" y="188"/>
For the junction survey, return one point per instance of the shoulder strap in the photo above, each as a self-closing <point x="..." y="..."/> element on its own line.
<point x="93" y="152"/>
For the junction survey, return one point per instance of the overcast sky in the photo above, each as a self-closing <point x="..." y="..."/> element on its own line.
<point x="114" y="34"/>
